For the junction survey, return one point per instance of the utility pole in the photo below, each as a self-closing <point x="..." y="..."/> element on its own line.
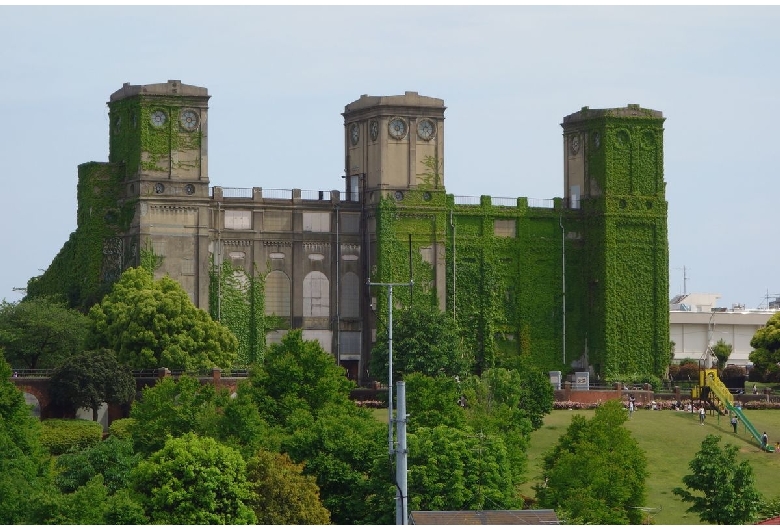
<point x="400" y="494"/>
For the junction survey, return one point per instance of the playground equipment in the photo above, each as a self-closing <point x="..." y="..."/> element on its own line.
<point x="712" y="390"/>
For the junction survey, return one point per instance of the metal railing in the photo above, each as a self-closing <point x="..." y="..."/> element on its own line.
<point x="236" y="193"/>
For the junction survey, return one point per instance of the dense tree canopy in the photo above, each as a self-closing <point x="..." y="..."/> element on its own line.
<point x="152" y="323"/>
<point x="194" y="480"/>
<point x="39" y="332"/>
<point x="727" y="491"/>
<point x="298" y="376"/>
<point x="282" y="494"/>
<point x="425" y="340"/>
<point x="596" y="473"/>
<point x="24" y="463"/>
<point x="113" y="459"/>
<point x="88" y="379"/>
<point x="173" y="408"/>
<point x="766" y="354"/>
<point x="434" y="401"/>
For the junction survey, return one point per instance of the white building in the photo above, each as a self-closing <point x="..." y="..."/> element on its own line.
<point x="695" y="322"/>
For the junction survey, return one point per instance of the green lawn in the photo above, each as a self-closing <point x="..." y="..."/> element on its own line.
<point x="670" y="440"/>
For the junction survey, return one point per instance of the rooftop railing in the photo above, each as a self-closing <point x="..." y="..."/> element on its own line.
<point x="325" y="195"/>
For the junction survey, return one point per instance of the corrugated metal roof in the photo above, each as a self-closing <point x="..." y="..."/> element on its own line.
<point x="486" y="517"/>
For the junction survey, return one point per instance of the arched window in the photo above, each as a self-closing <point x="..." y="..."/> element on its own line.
<point x="350" y="296"/>
<point x="277" y="294"/>
<point x="316" y="295"/>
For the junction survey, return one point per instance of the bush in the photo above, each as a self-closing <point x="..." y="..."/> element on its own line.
<point x="733" y="371"/>
<point x="121" y="428"/>
<point x="688" y="371"/>
<point x="61" y="436"/>
<point x="655" y="382"/>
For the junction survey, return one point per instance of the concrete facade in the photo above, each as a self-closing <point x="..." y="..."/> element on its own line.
<point x="534" y="276"/>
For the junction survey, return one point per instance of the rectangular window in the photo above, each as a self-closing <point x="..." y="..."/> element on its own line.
<point x="504" y="227"/>
<point x="350" y="342"/>
<point x="316" y="221"/>
<point x="238" y="220"/>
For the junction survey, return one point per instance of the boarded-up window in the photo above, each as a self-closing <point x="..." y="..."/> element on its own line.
<point x="238" y="220"/>
<point x="504" y="227"/>
<point x="324" y="337"/>
<point x="350" y="296"/>
<point x="316" y="221"/>
<point x="277" y="294"/>
<point x="350" y="343"/>
<point x="316" y="295"/>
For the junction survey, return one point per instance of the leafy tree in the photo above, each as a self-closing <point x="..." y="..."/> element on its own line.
<point x="457" y="469"/>
<point x="339" y="449"/>
<point x="510" y="405"/>
<point x="449" y="469"/>
<point x="25" y="470"/>
<point x="194" y="480"/>
<point x="425" y="340"/>
<point x="303" y="397"/>
<point x="173" y="408"/>
<point x="529" y="393"/>
<point x="434" y="401"/>
<point x="766" y="354"/>
<point x="728" y="491"/>
<point x="152" y="323"/>
<point x="596" y="473"/>
<point x="88" y="379"/>
<point x="86" y="505"/>
<point x="298" y="376"/>
<point x="282" y="493"/>
<point x="722" y="351"/>
<point x="39" y="332"/>
<point x="112" y="458"/>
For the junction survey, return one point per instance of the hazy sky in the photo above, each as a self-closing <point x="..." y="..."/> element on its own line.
<point x="280" y="78"/>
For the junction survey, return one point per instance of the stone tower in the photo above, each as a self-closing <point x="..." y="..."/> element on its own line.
<point x="159" y="135"/>
<point x="613" y="175"/>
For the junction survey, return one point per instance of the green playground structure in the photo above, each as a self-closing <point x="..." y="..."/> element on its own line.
<point x="712" y="390"/>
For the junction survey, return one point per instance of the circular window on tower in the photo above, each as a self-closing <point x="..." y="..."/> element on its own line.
<point x="399" y="195"/>
<point x="188" y="120"/>
<point x="397" y="128"/>
<point x="159" y="188"/>
<point x="189" y="189"/>
<point x="158" y="118"/>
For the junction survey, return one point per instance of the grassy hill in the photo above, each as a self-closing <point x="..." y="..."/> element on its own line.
<point x="671" y="439"/>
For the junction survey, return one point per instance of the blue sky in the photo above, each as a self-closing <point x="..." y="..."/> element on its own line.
<point x="280" y="77"/>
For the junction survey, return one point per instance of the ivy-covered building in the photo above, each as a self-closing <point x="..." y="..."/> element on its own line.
<point x="577" y="282"/>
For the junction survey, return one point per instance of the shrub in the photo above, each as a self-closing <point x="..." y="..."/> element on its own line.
<point x="688" y="371"/>
<point x="121" y="428"/>
<point x="733" y="371"/>
<point x="61" y="436"/>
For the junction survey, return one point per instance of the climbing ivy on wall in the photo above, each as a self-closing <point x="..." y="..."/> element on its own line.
<point x="141" y="146"/>
<point x="77" y="272"/>
<point x="507" y="293"/>
<point x="237" y="300"/>
<point x="627" y="249"/>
